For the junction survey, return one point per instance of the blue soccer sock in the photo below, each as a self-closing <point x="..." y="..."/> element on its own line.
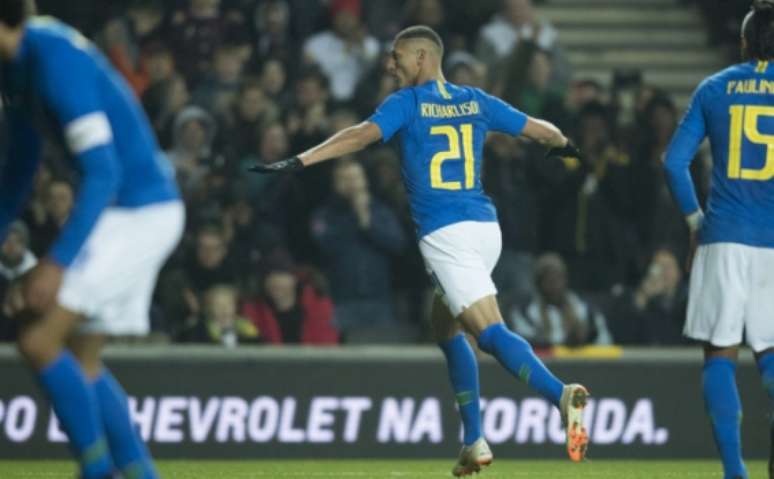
<point x="463" y="373"/>
<point x="724" y="408"/>
<point x="78" y="412"/>
<point x="126" y="446"/>
<point x="515" y="354"/>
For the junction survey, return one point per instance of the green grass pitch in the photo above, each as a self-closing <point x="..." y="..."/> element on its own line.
<point x="395" y="469"/>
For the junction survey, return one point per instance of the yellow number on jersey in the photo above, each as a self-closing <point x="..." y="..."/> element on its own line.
<point x="744" y="122"/>
<point x="453" y="153"/>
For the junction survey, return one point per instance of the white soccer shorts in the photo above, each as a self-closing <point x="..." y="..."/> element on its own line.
<point x="460" y="258"/>
<point x="732" y="292"/>
<point x="112" y="279"/>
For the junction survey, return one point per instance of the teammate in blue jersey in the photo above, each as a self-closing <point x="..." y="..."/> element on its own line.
<point x="98" y="277"/>
<point x="733" y="268"/>
<point x="442" y="128"/>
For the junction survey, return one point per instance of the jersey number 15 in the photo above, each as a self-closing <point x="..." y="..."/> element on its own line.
<point x="453" y="153"/>
<point x="744" y="122"/>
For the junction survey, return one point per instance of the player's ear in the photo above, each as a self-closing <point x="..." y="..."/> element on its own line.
<point x="421" y="55"/>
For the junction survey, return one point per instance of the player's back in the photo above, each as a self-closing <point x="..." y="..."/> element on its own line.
<point x="442" y="135"/>
<point x="738" y="108"/>
<point x="61" y="74"/>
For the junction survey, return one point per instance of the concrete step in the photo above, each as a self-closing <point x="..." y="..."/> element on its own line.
<point x="577" y="38"/>
<point x="637" y="58"/>
<point x="677" y="81"/>
<point x="595" y="16"/>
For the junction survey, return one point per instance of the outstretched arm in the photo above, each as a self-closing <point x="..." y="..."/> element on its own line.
<point x="346" y="141"/>
<point x="507" y="119"/>
<point x="544" y="132"/>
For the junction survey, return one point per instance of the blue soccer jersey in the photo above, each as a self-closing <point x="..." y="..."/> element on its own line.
<point x="59" y="84"/>
<point x="735" y="109"/>
<point x="442" y="128"/>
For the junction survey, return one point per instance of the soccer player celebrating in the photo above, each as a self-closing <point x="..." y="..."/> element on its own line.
<point x="733" y="267"/>
<point x="98" y="277"/>
<point x="442" y="128"/>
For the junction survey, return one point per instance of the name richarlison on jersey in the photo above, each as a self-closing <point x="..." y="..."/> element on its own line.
<point x="435" y="110"/>
<point x="755" y="86"/>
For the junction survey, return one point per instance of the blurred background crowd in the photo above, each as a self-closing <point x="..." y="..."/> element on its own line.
<point x="593" y="251"/>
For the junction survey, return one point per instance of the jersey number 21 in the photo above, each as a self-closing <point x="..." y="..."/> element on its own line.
<point x="453" y="153"/>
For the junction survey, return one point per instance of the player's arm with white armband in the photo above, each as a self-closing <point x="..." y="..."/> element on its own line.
<point x="67" y="86"/>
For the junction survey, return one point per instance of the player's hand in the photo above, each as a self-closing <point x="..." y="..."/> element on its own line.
<point x="41" y="285"/>
<point x="288" y="165"/>
<point x="567" y="151"/>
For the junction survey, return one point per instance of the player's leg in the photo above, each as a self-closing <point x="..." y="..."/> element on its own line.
<point x="463" y="374"/>
<point x="64" y="383"/>
<point x="129" y="452"/>
<point x="112" y="288"/>
<point x="719" y="292"/>
<point x="462" y="366"/>
<point x="765" y="360"/>
<point x="721" y="399"/>
<point x="484" y="321"/>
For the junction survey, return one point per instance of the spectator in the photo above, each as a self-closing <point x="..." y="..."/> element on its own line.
<point x="345" y="53"/>
<point x="375" y="87"/>
<point x="163" y="101"/>
<point x="220" y="322"/>
<point x="291" y="310"/>
<point x="464" y="69"/>
<point x="308" y="118"/>
<point x="127" y="39"/>
<point x="274" y="78"/>
<point x="180" y="290"/>
<point x="218" y="90"/>
<point x="273" y="37"/>
<point x="358" y="237"/>
<point x="654" y="312"/>
<point x="195" y="32"/>
<point x="191" y="154"/>
<point x="510" y="179"/>
<point x="58" y="202"/>
<point x="557" y="315"/>
<point x="528" y="84"/>
<point x="250" y="111"/>
<point x="586" y="206"/>
<point x="517" y="21"/>
<point x="659" y="220"/>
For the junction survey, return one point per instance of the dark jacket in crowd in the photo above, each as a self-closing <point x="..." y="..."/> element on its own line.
<point x="357" y="261"/>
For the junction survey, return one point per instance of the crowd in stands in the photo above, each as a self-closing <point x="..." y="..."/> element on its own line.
<point x="593" y="250"/>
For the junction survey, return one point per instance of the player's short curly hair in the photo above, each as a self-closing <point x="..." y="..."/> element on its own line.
<point x="13" y="12"/>
<point x="758" y="30"/>
<point x="420" y="31"/>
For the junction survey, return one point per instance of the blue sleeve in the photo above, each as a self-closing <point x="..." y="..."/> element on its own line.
<point x="395" y="112"/>
<point x="681" y="151"/>
<point x="67" y="79"/>
<point x="503" y="117"/>
<point x="19" y="169"/>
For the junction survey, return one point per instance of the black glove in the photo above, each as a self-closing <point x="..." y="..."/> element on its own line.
<point x="288" y="165"/>
<point x="567" y="151"/>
